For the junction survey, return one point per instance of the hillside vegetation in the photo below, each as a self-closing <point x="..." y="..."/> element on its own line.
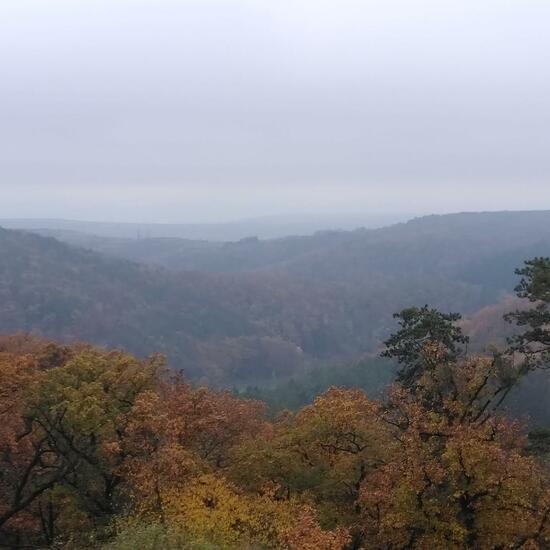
<point x="254" y="311"/>
<point x="101" y="450"/>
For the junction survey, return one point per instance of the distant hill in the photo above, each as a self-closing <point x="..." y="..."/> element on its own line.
<point x="480" y="250"/>
<point x="222" y="328"/>
<point x="440" y="243"/>
<point x="257" y="311"/>
<point x="267" y="227"/>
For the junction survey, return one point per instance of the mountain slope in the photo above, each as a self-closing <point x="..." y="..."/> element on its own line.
<point x="459" y="246"/>
<point x="220" y="327"/>
<point x="257" y="311"/>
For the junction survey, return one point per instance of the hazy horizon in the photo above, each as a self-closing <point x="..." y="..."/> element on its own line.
<point x="211" y="111"/>
<point x="385" y="218"/>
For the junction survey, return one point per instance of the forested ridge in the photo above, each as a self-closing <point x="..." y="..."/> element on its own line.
<point x="274" y="275"/>
<point x="100" y="449"/>
<point x="262" y="311"/>
<point x="214" y="326"/>
<point x="454" y="245"/>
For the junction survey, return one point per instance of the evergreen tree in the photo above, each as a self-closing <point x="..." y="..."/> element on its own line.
<point x="426" y="338"/>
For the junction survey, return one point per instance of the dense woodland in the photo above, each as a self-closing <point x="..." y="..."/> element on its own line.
<point x="100" y="449"/>
<point x="230" y="318"/>
<point x="260" y="312"/>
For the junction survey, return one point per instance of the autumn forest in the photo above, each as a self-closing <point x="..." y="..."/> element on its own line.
<point x="274" y="275"/>
<point x="101" y="449"/>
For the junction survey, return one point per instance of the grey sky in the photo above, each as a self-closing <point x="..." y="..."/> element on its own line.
<point x="194" y="110"/>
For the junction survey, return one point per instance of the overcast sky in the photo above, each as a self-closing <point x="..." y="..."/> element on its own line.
<point x="193" y="110"/>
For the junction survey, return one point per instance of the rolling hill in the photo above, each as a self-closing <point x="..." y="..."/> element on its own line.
<point x="257" y="311"/>
<point x="223" y="328"/>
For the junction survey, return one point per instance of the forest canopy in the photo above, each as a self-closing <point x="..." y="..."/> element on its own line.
<point x="100" y="449"/>
<point x="260" y="312"/>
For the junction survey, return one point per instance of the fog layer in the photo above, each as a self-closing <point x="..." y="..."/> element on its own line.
<point x="208" y="110"/>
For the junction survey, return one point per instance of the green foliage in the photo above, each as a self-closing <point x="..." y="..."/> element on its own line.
<point x="371" y="375"/>
<point x="425" y="338"/>
<point x="534" y="286"/>
<point x="539" y="442"/>
<point x="153" y="536"/>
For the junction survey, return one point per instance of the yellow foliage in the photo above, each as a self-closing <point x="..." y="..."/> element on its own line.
<point x="212" y="508"/>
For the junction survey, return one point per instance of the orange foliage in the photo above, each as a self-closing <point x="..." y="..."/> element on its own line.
<point x="91" y="440"/>
<point x="181" y="431"/>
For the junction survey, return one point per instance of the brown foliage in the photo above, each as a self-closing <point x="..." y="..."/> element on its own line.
<point x="100" y="445"/>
